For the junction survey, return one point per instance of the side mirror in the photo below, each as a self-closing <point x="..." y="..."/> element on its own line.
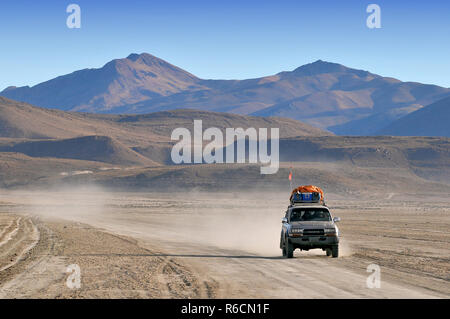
<point x="336" y="219"/>
<point x="284" y="220"/>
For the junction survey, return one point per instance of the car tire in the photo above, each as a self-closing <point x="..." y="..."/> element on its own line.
<point x="289" y="249"/>
<point x="283" y="251"/>
<point x="328" y="251"/>
<point x="335" y="251"/>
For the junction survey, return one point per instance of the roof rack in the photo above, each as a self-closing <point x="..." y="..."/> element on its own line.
<point x="307" y="203"/>
<point x="312" y="197"/>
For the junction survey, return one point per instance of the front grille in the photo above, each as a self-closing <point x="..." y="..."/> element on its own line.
<point x="313" y="232"/>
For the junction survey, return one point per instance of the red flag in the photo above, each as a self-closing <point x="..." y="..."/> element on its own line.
<point x="290" y="176"/>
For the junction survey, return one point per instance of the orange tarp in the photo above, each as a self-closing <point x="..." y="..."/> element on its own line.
<point x="308" y="189"/>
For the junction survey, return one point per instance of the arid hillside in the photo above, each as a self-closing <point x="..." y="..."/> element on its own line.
<point x="50" y="147"/>
<point x="40" y="132"/>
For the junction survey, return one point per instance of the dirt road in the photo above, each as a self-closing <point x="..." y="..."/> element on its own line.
<point x="226" y="246"/>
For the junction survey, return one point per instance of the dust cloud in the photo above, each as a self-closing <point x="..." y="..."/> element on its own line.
<point x="69" y="203"/>
<point x="244" y="221"/>
<point x="228" y="221"/>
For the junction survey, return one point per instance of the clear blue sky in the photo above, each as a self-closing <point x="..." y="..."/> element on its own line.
<point x="226" y="39"/>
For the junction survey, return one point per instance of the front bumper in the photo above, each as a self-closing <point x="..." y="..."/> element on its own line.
<point x="314" y="241"/>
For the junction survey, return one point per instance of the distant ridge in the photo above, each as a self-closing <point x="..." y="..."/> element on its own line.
<point x="88" y="148"/>
<point x="142" y="139"/>
<point x="432" y="120"/>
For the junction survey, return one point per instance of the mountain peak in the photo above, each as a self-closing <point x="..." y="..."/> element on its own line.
<point x="319" y="67"/>
<point x="147" y="59"/>
<point x="133" y="56"/>
<point x="143" y="58"/>
<point x="322" y="67"/>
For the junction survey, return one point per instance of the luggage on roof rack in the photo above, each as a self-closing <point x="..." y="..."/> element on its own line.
<point x="307" y="194"/>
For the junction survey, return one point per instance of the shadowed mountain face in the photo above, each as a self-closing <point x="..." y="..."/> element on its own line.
<point x="433" y="120"/>
<point x="88" y="148"/>
<point x="326" y="95"/>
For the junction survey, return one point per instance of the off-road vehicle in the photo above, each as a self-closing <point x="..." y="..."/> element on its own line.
<point x="309" y="226"/>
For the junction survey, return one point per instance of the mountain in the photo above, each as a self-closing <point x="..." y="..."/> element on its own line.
<point x="326" y="95"/>
<point x="119" y="82"/>
<point x="432" y="120"/>
<point x="352" y="102"/>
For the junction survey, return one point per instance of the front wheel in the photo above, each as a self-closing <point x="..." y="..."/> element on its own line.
<point x="328" y="251"/>
<point x="288" y="249"/>
<point x="335" y="251"/>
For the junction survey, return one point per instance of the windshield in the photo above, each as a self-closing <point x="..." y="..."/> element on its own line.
<point x="309" y="214"/>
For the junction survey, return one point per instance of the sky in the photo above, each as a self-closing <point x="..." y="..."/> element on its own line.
<point x="226" y="39"/>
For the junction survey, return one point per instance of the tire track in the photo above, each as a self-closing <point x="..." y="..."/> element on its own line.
<point x="10" y="231"/>
<point x="36" y="256"/>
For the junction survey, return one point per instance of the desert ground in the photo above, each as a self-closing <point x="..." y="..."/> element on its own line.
<point x="216" y="245"/>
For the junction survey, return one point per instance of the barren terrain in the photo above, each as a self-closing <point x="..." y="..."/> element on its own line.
<point x="216" y="245"/>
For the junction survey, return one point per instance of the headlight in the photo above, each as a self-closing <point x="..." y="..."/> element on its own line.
<point x="296" y="231"/>
<point x="330" y="231"/>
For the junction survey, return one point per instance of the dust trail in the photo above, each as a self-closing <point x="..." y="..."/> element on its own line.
<point x="246" y="222"/>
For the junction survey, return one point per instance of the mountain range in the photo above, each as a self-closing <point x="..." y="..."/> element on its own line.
<point x="327" y="95"/>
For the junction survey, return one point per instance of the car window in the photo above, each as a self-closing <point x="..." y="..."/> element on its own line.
<point x="309" y="214"/>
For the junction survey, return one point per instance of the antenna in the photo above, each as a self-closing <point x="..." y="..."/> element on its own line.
<point x="290" y="178"/>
